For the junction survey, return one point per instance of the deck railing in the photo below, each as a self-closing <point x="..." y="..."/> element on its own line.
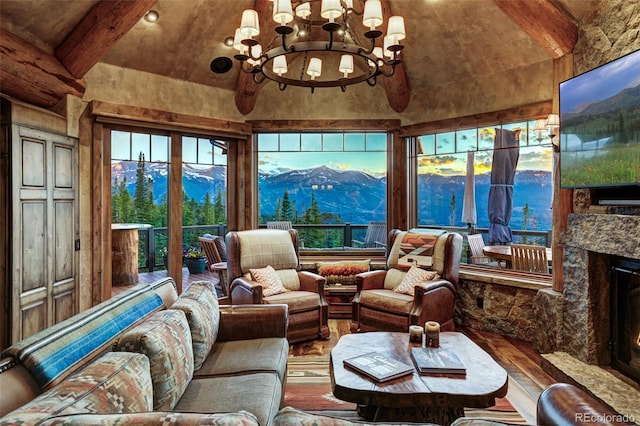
<point x="316" y="238"/>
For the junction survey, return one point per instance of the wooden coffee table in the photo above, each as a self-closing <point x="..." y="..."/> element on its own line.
<point x="419" y="398"/>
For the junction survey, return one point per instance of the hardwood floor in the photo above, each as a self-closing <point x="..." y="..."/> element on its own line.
<point x="518" y="358"/>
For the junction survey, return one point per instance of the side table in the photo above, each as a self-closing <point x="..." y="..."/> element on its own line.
<point x="339" y="298"/>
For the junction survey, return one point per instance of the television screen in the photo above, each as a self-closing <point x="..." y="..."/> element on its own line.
<point x="600" y="126"/>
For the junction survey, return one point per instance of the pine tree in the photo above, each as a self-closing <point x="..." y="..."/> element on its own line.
<point x="287" y="214"/>
<point x="218" y="208"/>
<point x="208" y="213"/>
<point x="140" y="197"/>
<point x="452" y="210"/>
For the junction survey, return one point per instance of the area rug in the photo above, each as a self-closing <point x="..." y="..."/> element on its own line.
<point x="309" y="388"/>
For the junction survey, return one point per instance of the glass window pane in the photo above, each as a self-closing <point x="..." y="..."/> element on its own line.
<point x="376" y="142"/>
<point x="189" y="150"/>
<point x="354" y="142"/>
<point x="467" y="140"/>
<point x="445" y="143"/>
<point x="120" y="145"/>
<point x="311" y="142"/>
<point x="140" y="144"/>
<point x="486" y="135"/>
<point x="205" y="153"/>
<point x="332" y="142"/>
<point x="268" y="142"/>
<point x="523" y="131"/>
<point x="220" y="149"/>
<point x="427" y="144"/>
<point x="160" y="148"/>
<point x="290" y="142"/>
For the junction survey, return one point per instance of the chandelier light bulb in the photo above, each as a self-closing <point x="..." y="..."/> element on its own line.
<point x="372" y="14"/>
<point x="388" y="41"/>
<point x="331" y="9"/>
<point x="315" y="68"/>
<point x="250" y="25"/>
<point x="303" y="10"/>
<point x="395" y="29"/>
<point x="282" y="11"/>
<point x="256" y="52"/>
<point x="346" y="65"/>
<point x="280" y="65"/>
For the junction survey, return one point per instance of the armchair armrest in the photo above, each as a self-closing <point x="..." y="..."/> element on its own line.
<point x="434" y="301"/>
<point x="370" y="280"/>
<point x="310" y="281"/>
<point x="241" y="322"/>
<point x="245" y="292"/>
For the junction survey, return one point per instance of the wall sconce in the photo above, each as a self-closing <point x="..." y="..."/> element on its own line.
<point x="553" y="124"/>
<point x="539" y="127"/>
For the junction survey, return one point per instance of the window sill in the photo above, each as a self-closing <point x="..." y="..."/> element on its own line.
<point x="505" y="277"/>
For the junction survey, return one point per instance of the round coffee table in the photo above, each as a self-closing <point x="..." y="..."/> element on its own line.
<point x="435" y="398"/>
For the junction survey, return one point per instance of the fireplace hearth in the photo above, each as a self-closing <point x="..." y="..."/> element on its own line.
<point x="625" y="317"/>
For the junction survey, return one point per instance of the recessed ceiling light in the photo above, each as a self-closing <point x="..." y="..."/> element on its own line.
<point x="221" y="65"/>
<point x="152" y="16"/>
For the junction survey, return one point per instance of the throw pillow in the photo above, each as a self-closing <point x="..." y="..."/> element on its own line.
<point x="269" y="280"/>
<point x="342" y="272"/>
<point x="200" y="304"/>
<point x="415" y="276"/>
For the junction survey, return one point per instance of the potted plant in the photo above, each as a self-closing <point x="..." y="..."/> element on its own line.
<point x="195" y="260"/>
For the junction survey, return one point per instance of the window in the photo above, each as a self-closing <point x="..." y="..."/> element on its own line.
<point x="204" y="186"/>
<point x="330" y="185"/>
<point x="139" y="168"/>
<point x="441" y="165"/>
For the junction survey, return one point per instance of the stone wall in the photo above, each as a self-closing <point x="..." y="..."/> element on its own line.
<point x="496" y="308"/>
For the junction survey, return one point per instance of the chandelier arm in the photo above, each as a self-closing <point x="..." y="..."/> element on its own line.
<point x="282" y="86"/>
<point x="372" y="81"/>
<point x="387" y="74"/>
<point x="330" y="40"/>
<point x="284" y="43"/>
<point x="259" y="78"/>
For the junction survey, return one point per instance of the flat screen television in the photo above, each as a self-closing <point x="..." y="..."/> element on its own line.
<point x="600" y="126"/>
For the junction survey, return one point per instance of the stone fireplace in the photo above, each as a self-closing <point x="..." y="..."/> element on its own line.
<point x="574" y="327"/>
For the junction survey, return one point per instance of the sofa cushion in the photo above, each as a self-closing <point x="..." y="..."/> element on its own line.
<point x="116" y="382"/>
<point x="290" y="416"/>
<point x="298" y="301"/>
<point x="268" y="279"/>
<point x="238" y="356"/>
<point x="51" y="354"/>
<point x="387" y="300"/>
<point x="200" y="304"/>
<point x="257" y="393"/>
<point x="155" y="418"/>
<point x="165" y="339"/>
<point x="413" y="277"/>
<point x="343" y="272"/>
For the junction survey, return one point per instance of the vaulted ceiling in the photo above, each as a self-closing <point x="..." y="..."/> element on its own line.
<point x="467" y="50"/>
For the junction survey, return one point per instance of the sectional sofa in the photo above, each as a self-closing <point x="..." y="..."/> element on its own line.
<point x="148" y="356"/>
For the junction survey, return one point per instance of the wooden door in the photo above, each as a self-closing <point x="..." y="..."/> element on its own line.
<point x="44" y="230"/>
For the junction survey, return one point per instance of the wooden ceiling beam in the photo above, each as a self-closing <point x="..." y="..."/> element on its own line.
<point x="246" y="89"/>
<point x="397" y="86"/>
<point x="33" y="75"/>
<point x="545" y="22"/>
<point x="106" y="23"/>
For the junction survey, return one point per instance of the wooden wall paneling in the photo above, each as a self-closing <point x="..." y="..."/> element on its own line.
<point x="86" y="255"/>
<point x="233" y="184"/>
<point x="396" y="182"/>
<point x="562" y="198"/>
<point x="101" y="204"/>
<point x="174" y="221"/>
<point x="249" y="184"/>
<point x="525" y="112"/>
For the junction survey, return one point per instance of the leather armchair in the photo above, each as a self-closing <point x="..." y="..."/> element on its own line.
<point x="258" y="248"/>
<point x="377" y="307"/>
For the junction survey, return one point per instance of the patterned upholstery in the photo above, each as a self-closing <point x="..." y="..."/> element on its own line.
<point x="165" y="339"/>
<point x="51" y="353"/>
<point x="267" y="247"/>
<point x="155" y="418"/>
<point x="115" y="383"/>
<point x="200" y="304"/>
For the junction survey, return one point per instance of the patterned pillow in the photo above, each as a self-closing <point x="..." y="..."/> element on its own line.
<point x="269" y="279"/>
<point x="415" y="276"/>
<point x="165" y="339"/>
<point x="200" y="304"/>
<point x="156" y="418"/>
<point x="342" y="272"/>
<point x="115" y="383"/>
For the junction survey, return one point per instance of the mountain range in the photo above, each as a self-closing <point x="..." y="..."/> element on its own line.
<point x="358" y="197"/>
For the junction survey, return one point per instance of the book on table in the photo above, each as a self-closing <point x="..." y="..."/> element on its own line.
<point x="378" y="366"/>
<point x="437" y="360"/>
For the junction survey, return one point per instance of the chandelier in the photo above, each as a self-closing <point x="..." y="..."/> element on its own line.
<point x="295" y="55"/>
